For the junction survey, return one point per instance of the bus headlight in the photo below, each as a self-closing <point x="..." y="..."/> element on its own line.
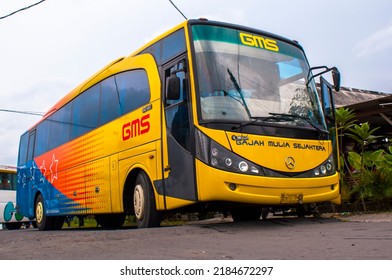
<point x="326" y="168"/>
<point x="214" y="154"/>
<point x="243" y="166"/>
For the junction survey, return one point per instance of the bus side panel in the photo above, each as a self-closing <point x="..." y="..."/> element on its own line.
<point x="39" y="179"/>
<point x="22" y="194"/>
<point x="72" y="176"/>
<point x="80" y="177"/>
<point x="75" y="178"/>
<point x="115" y="187"/>
<point x="28" y="176"/>
<point x="97" y="186"/>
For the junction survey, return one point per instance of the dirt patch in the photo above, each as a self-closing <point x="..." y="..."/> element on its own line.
<point x="363" y="217"/>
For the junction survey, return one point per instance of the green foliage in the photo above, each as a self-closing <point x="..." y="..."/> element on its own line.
<point x="355" y="160"/>
<point x="374" y="174"/>
<point x="368" y="160"/>
<point x="362" y="134"/>
<point x="373" y="170"/>
<point x="388" y="159"/>
<point x="345" y="118"/>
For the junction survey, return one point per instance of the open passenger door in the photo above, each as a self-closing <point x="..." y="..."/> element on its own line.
<point x="329" y="112"/>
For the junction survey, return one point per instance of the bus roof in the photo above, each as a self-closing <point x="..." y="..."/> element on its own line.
<point x="91" y="80"/>
<point x="7" y="168"/>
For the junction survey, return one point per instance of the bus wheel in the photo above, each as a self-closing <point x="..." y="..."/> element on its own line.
<point x="245" y="214"/>
<point x="43" y="222"/>
<point x="144" y="203"/>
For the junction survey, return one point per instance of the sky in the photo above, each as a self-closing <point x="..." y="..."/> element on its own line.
<point x="49" y="49"/>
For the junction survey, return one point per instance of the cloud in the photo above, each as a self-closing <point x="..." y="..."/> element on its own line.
<point x="376" y="43"/>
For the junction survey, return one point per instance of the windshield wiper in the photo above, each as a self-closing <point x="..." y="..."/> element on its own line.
<point x="293" y="116"/>
<point x="237" y="87"/>
<point x="259" y="120"/>
<point x="247" y="123"/>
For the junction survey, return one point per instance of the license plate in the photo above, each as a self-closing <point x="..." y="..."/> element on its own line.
<point x="291" y="198"/>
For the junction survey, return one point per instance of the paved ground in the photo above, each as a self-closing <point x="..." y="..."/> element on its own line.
<point x="338" y="237"/>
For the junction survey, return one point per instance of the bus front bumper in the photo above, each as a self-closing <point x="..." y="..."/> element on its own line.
<point x="218" y="185"/>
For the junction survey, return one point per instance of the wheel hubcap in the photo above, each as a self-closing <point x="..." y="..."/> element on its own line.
<point x="39" y="212"/>
<point x="138" y="202"/>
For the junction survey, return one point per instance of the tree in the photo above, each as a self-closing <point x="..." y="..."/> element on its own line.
<point x="345" y="119"/>
<point x="363" y="135"/>
<point x="374" y="169"/>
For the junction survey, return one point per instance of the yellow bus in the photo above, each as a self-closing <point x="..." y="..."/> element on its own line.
<point x="208" y="115"/>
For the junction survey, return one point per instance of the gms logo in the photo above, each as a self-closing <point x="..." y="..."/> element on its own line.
<point x="136" y="127"/>
<point x="259" y="42"/>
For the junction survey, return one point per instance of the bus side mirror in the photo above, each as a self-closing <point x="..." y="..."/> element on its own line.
<point x="173" y="88"/>
<point x="336" y="78"/>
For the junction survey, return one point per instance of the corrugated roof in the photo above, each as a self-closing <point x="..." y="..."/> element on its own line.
<point x="349" y="96"/>
<point x="369" y="106"/>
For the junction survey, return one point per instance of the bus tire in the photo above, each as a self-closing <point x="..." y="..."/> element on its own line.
<point x="144" y="203"/>
<point x="43" y="222"/>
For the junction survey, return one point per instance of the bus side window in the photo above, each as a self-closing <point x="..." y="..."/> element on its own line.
<point x="60" y="126"/>
<point x="177" y="117"/>
<point x="183" y="88"/>
<point x="110" y="106"/>
<point x="30" y="149"/>
<point x="84" y="111"/>
<point x="5" y="184"/>
<point x="133" y="89"/>
<point x="24" y="141"/>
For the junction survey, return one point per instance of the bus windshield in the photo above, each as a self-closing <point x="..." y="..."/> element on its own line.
<point x="246" y="77"/>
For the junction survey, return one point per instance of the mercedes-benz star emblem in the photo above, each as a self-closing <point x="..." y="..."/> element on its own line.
<point x="290" y="163"/>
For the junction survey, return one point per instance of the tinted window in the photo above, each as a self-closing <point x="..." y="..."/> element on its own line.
<point x="134" y="90"/>
<point x="173" y="45"/>
<point x="60" y="126"/>
<point x="30" y="150"/>
<point x="168" y="48"/>
<point x="41" y="144"/>
<point x="7" y="181"/>
<point x="24" y="141"/>
<point x="98" y="105"/>
<point x="110" y="107"/>
<point x="85" y="112"/>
